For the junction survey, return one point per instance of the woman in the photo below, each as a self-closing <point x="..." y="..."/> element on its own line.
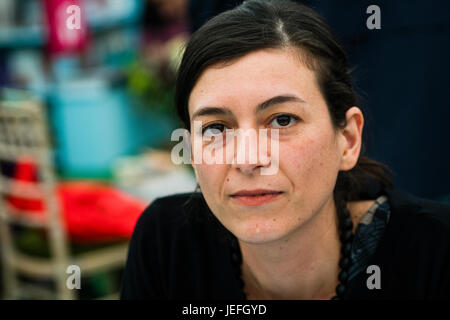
<point x="327" y="224"/>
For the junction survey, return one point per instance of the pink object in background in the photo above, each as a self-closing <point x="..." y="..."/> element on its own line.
<point x="61" y="38"/>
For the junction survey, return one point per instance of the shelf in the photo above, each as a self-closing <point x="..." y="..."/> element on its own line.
<point x="19" y="37"/>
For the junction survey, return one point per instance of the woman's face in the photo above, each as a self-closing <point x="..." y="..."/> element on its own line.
<point x="310" y="149"/>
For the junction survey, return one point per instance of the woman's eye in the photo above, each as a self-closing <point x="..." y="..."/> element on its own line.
<point x="213" y="129"/>
<point x="283" y="120"/>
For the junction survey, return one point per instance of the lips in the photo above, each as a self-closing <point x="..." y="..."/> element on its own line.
<point x="255" y="197"/>
<point x="252" y="193"/>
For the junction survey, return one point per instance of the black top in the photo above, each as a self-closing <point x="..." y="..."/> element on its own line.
<point x="179" y="250"/>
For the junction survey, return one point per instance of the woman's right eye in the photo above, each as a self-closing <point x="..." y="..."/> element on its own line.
<point x="213" y="129"/>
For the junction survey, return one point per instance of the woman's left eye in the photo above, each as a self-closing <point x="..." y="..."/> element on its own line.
<point x="283" y="120"/>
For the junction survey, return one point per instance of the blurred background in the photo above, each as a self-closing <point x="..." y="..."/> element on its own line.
<point x="86" y="117"/>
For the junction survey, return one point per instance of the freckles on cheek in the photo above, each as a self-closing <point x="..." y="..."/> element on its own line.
<point x="307" y="160"/>
<point x="301" y="154"/>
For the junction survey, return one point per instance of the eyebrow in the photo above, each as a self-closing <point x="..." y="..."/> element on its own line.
<point x="210" y="110"/>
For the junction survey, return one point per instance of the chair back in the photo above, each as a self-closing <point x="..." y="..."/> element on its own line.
<point x="27" y="177"/>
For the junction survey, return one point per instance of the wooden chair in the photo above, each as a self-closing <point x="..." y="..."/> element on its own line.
<point x="23" y="132"/>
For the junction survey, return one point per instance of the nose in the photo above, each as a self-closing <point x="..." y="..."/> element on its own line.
<point x="247" y="169"/>
<point x="246" y="157"/>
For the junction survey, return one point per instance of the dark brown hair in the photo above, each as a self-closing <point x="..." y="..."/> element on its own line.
<point x="259" y="24"/>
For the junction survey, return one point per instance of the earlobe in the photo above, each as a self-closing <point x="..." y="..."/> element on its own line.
<point x="352" y="134"/>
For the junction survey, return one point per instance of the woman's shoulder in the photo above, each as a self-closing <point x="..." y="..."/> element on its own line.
<point x="184" y="215"/>
<point x="412" y="256"/>
<point x="422" y="215"/>
<point x="174" y="201"/>
<point x="174" y="208"/>
<point x="418" y="232"/>
<point x="173" y="249"/>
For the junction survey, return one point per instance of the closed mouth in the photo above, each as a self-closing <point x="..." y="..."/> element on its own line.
<point x="254" y="193"/>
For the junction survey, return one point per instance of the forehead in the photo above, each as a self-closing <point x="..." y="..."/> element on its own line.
<point x="254" y="78"/>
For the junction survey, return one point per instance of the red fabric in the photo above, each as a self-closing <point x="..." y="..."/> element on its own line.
<point x="93" y="212"/>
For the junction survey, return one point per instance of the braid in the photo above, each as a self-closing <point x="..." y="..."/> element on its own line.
<point x="345" y="227"/>
<point x="341" y="207"/>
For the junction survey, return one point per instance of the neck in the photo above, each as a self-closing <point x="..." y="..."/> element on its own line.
<point x="302" y="265"/>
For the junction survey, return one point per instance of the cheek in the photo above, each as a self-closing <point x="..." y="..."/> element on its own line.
<point x="310" y="162"/>
<point x="210" y="177"/>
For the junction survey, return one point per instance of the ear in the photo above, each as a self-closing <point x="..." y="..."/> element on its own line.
<point x="351" y="138"/>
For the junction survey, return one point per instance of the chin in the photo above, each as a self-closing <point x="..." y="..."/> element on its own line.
<point x="259" y="233"/>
